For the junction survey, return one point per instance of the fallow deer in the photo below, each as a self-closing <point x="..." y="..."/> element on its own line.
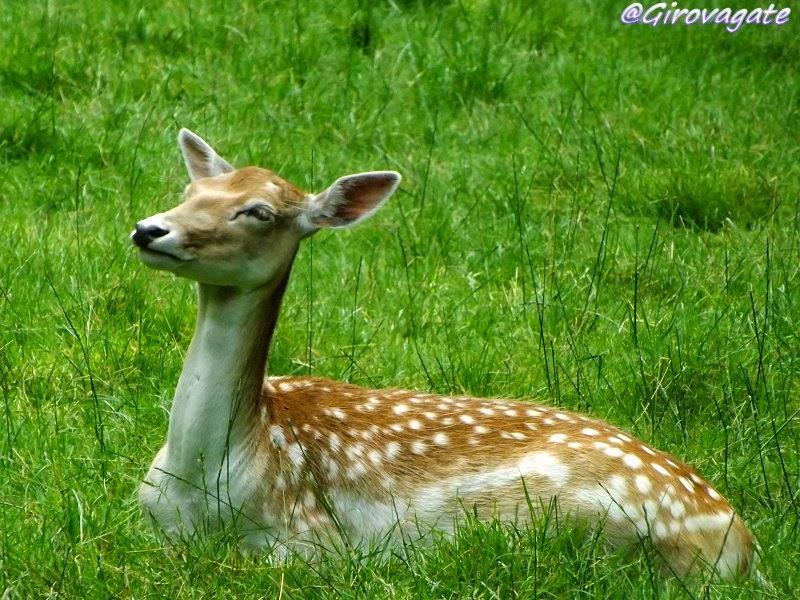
<point x="288" y="462"/>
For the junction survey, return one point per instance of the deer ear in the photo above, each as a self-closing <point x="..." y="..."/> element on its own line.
<point x="201" y="160"/>
<point x="351" y="199"/>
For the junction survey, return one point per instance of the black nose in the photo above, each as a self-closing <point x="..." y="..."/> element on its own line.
<point x="145" y="234"/>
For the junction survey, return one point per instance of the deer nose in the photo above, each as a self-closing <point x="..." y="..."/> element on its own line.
<point x="146" y="233"/>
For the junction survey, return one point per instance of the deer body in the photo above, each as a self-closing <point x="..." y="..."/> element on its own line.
<point x="288" y="463"/>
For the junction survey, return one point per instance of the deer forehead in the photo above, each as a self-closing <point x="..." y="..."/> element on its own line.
<point x="218" y="195"/>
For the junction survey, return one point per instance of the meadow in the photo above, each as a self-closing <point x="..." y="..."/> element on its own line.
<point x="600" y="217"/>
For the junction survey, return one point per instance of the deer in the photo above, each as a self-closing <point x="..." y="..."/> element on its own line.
<point x="294" y="464"/>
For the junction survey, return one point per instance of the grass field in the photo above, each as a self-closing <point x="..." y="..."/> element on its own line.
<point x="600" y="217"/>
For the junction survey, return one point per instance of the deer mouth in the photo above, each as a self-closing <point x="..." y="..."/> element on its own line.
<point x="159" y="253"/>
<point x="151" y="255"/>
<point x="160" y="258"/>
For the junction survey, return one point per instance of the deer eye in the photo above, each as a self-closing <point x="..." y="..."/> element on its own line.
<point x="262" y="213"/>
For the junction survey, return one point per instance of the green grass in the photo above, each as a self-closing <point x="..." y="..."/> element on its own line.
<point x="600" y="217"/>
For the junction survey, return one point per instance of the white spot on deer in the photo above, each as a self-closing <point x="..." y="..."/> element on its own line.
<point x="285" y="386"/>
<point x="623" y="437"/>
<point x="614" y="440"/>
<point x="280" y="483"/>
<point x="632" y="461"/>
<point x="447" y="421"/>
<point x="472" y="441"/>
<point x="396" y="427"/>
<point x="590" y="432"/>
<point x="375" y="457"/>
<point x="510" y="412"/>
<point x="659" y="530"/>
<point x="466" y="419"/>
<point x="674" y="527"/>
<point x="659" y="469"/>
<point x="415" y="425"/>
<point x="277" y="436"/>
<point x="399" y="409"/>
<point x="415" y="400"/>
<point x="335" y="442"/>
<point x="418" y="447"/>
<point x="392" y="450"/>
<point x="548" y="421"/>
<point x="686" y="483"/>
<point x="677" y="509"/>
<point x="643" y="483"/>
<point x="533" y="413"/>
<point x="301" y="525"/>
<point x="613" y="452"/>
<point x="331" y="467"/>
<point x="672" y="464"/>
<point x="648" y="450"/>
<point x="295" y="453"/>
<point x="650" y="507"/>
<point x="712" y="493"/>
<point x="696" y="478"/>
<point x="558" y="438"/>
<point x="356" y="470"/>
<point x="480" y="429"/>
<point x="440" y="439"/>
<point x="531" y="426"/>
<point x="338" y="414"/>
<point x="431" y="416"/>
<point x="544" y="464"/>
<point x="486" y="411"/>
<point x="601" y="445"/>
<point x="355" y="451"/>
<point x="574" y="445"/>
<point x="309" y="499"/>
<point x="563" y="417"/>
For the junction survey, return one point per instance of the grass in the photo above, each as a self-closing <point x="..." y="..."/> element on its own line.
<point x="601" y="217"/>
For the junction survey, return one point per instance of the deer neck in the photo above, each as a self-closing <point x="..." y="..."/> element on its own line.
<point x="217" y="414"/>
